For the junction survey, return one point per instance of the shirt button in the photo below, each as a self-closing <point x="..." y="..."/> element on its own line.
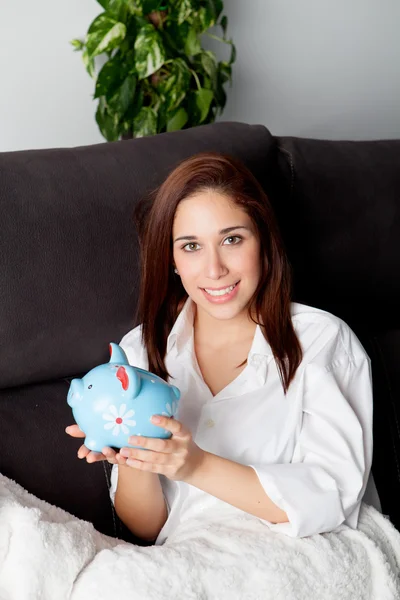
<point x="210" y="423"/>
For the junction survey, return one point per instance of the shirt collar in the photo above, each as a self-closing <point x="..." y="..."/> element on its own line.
<point x="182" y="330"/>
<point x="260" y="356"/>
<point x="260" y="346"/>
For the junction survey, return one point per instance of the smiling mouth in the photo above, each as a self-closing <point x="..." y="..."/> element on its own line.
<point x="221" y="291"/>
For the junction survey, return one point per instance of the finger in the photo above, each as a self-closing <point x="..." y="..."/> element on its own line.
<point x="74" y="431"/>
<point x="83" y="451"/>
<point x="145" y="466"/>
<point x="121" y="460"/>
<point x="158" y="445"/>
<point x="94" y="456"/>
<point x="170" y="424"/>
<point x="110" y="455"/>
<point x="146" y="456"/>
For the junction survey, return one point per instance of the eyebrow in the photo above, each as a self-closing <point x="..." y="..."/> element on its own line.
<point x="221" y="232"/>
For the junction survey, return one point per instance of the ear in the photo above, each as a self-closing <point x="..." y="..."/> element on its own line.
<point x="117" y="355"/>
<point x="130" y="379"/>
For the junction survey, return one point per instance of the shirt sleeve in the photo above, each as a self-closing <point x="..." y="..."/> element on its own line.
<point x="113" y="482"/>
<point x="323" y="486"/>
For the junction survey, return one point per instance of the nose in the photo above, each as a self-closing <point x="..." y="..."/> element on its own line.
<point x="215" y="267"/>
<point x="75" y="392"/>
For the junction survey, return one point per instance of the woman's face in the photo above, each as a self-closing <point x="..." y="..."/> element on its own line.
<point x="217" y="253"/>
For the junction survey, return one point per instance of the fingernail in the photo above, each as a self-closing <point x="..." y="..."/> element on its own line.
<point x="156" y="419"/>
<point x="125" y="452"/>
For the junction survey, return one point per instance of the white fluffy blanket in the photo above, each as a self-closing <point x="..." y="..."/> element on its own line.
<point x="48" y="554"/>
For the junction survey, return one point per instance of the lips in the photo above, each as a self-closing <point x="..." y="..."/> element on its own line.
<point x="223" y="295"/>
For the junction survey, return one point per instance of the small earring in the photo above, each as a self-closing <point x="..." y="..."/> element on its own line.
<point x="176" y="271"/>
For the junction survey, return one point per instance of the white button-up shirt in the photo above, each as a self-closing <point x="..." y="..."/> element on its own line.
<point x="311" y="449"/>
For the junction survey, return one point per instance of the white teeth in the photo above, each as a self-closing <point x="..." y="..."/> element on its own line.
<point x="220" y="292"/>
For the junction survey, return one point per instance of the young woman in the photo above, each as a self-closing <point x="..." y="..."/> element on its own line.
<point x="275" y="415"/>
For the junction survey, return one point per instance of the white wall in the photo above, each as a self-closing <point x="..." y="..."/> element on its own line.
<point x="315" y="68"/>
<point x="46" y="94"/>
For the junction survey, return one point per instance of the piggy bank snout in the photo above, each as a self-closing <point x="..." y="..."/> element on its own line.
<point x="75" y="393"/>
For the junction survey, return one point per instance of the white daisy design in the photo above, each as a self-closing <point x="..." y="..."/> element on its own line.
<point x="119" y="419"/>
<point x="171" y="409"/>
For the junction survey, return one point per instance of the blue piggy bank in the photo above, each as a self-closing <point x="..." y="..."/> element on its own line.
<point x="115" y="400"/>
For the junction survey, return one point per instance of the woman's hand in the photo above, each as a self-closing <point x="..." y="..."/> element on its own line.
<point x="108" y="453"/>
<point x="176" y="458"/>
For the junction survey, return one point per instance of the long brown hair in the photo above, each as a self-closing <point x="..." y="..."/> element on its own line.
<point x="162" y="293"/>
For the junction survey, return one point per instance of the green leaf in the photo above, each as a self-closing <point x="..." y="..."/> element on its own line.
<point x="206" y="18"/>
<point x="122" y="9"/>
<point x="88" y="62"/>
<point x="145" y="123"/>
<point x="151" y="5"/>
<point x="202" y="101"/>
<point x="135" y="106"/>
<point x="219" y="93"/>
<point x="104" y="34"/>
<point x="217" y="6"/>
<point x="178" y="120"/>
<point x="149" y="51"/>
<point x="208" y="14"/>
<point x="224" y="24"/>
<point x="123" y="97"/>
<point x="97" y="22"/>
<point x="108" y="123"/>
<point x="77" y="44"/>
<point x="192" y="44"/>
<point x="110" y="77"/>
<point x="175" y="36"/>
<point x="207" y="84"/>
<point x="173" y="88"/>
<point x="209" y="64"/>
<point x="185" y="10"/>
<point x="233" y="53"/>
<point x="224" y="72"/>
<point x="103" y="3"/>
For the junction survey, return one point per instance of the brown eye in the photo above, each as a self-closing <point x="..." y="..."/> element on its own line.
<point x="233" y="239"/>
<point x="191" y="247"/>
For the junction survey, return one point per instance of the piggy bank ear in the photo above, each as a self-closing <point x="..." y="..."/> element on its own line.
<point x="130" y="379"/>
<point x="117" y="355"/>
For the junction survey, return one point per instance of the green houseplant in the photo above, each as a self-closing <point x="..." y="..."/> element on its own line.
<point x="157" y="76"/>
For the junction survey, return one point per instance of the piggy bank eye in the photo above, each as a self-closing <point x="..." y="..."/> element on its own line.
<point x="90" y="387"/>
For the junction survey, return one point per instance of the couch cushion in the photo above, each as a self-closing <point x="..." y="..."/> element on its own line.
<point x="37" y="453"/>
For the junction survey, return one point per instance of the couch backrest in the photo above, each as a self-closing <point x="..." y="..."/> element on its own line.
<point x="69" y="273"/>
